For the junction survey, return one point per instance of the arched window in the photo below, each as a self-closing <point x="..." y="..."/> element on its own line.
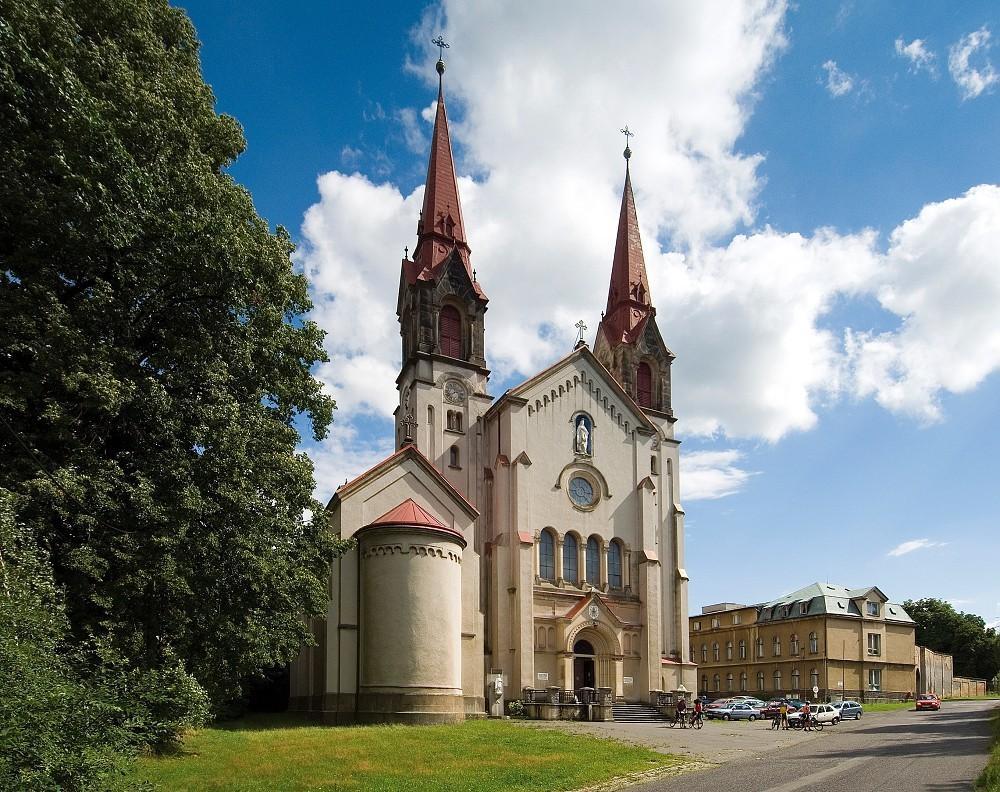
<point x="450" y="332"/>
<point x="743" y="649"/>
<point x="743" y="681"/>
<point x="644" y="385"/>
<point x="776" y="647"/>
<point x="760" y="647"/>
<point x="729" y="650"/>
<point x="777" y="681"/>
<point x="704" y="653"/>
<point x="813" y="643"/>
<point x="814" y="678"/>
<point x="729" y="683"/>
<point x="794" y="644"/>
<point x="454" y="460"/>
<point x="571" y="556"/>
<point x="760" y="680"/>
<point x="541" y="638"/>
<point x="704" y="683"/>
<point x="715" y="651"/>
<point x="546" y="556"/>
<point x="795" y="679"/>
<point x="615" y="565"/>
<point x="593" y="562"/>
<point x="715" y="683"/>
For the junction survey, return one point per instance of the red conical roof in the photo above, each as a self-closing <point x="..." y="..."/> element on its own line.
<point x="441" y="229"/>
<point x="409" y="512"/>
<point x="628" y="297"/>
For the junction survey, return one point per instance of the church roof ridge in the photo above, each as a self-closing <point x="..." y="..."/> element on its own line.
<point x="580" y="351"/>
<point x="407" y="450"/>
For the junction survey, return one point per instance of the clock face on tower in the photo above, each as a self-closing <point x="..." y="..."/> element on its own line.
<point x="581" y="491"/>
<point x="454" y="393"/>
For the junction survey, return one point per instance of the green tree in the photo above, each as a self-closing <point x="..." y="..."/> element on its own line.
<point x="56" y="731"/>
<point x="155" y="357"/>
<point x="974" y="647"/>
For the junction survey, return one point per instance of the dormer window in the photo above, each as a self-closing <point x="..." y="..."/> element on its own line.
<point x="873" y="608"/>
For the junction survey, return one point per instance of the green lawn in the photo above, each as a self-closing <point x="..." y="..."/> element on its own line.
<point x="278" y="753"/>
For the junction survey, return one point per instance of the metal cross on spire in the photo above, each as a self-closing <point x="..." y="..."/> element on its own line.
<point x="627" y="133"/>
<point x="580" y="327"/>
<point x="442" y="45"/>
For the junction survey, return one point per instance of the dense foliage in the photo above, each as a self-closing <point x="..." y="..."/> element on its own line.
<point x="154" y="361"/>
<point x="56" y="731"/>
<point x="974" y="647"/>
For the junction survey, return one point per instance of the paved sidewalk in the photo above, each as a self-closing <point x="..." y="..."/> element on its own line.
<point x="718" y="742"/>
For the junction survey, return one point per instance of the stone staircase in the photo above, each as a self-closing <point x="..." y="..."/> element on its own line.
<point x="636" y="713"/>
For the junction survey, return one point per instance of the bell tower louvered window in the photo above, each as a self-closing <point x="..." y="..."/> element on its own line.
<point x="450" y="332"/>
<point x="644" y="385"/>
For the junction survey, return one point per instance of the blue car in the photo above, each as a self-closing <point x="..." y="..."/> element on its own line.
<point x="848" y="709"/>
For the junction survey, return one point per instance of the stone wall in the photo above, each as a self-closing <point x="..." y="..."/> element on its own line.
<point x="933" y="672"/>
<point x="965" y="687"/>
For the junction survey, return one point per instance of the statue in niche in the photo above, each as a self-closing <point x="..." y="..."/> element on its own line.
<point x="582" y="445"/>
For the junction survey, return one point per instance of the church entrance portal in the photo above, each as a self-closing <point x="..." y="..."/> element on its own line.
<point x="583" y="665"/>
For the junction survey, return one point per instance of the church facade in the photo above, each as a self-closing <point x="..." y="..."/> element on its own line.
<point x="534" y="540"/>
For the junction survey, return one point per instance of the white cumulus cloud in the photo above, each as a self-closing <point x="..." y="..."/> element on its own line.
<point x="912" y="545"/>
<point x="972" y="80"/>
<point x="917" y="53"/>
<point x="838" y="82"/>
<point x="707" y="475"/>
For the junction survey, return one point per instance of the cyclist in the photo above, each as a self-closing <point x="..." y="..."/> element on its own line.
<point x="696" y="713"/>
<point x="681" y="712"/>
<point x="806" y="717"/>
<point x="783" y="714"/>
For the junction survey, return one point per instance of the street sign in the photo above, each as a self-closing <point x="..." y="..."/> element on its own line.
<point x="815" y="690"/>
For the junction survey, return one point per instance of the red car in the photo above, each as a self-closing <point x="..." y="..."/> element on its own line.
<point x="928" y="701"/>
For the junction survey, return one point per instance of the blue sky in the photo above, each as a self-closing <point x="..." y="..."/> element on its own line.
<point x="817" y="190"/>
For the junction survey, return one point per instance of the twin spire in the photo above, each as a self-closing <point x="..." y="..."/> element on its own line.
<point x="441" y="229"/>
<point x="441" y="235"/>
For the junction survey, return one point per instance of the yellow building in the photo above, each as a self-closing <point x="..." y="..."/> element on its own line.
<point x="823" y="641"/>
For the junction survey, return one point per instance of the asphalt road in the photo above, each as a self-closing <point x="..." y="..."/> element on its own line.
<point x="890" y="752"/>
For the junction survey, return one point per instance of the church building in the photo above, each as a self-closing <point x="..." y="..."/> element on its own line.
<point x="535" y="540"/>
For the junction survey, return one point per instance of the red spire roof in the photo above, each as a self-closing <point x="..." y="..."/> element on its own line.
<point x="628" y="298"/>
<point x="441" y="228"/>
<point x="409" y="512"/>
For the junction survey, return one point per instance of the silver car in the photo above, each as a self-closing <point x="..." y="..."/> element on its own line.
<point x="735" y="710"/>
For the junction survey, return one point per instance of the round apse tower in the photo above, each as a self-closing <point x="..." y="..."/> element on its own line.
<point x="410" y="619"/>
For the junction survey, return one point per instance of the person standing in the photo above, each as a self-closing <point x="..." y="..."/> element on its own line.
<point x="783" y="715"/>
<point x="698" y="707"/>
<point x="681" y="712"/>
<point x="806" y="717"/>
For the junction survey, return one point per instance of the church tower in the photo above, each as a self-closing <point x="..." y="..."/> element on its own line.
<point x="628" y="341"/>
<point x="441" y="308"/>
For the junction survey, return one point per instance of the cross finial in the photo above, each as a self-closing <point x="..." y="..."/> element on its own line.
<point x="627" y="133"/>
<point x="580" y="327"/>
<point x="442" y="45"/>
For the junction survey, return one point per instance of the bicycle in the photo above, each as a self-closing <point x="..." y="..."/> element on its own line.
<point x="678" y="719"/>
<point x="697" y="721"/>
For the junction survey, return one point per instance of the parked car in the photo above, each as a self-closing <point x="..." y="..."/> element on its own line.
<point x="720" y="702"/>
<point x="771" y="708"/>
<point x="823" y="713"/>
<point x="928" y="701"/>
<point x="848" y="709"/>
<point x="794" y="702"/>
<point x="734" y="710"/>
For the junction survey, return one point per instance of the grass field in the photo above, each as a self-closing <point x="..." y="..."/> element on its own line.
<point x="989" y="781"/>
<point x="280" y="753"/>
